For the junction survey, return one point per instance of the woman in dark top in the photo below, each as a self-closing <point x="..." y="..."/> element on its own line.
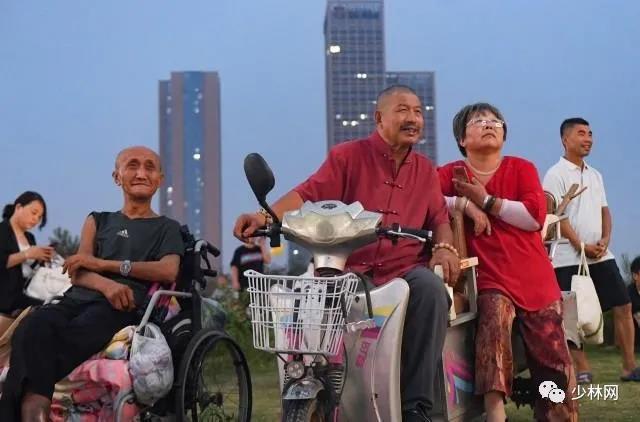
<point x="18" y="251"/>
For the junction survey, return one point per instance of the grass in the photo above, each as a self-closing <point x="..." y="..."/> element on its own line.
<point x="266" y="392"/>
<point x="605" y="362"/>
<point x="605" y="365"/>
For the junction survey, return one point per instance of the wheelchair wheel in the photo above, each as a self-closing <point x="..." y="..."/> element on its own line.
<point x="213" y="381"/>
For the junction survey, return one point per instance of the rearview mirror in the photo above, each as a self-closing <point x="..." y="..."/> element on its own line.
<point x="259" y="175"/>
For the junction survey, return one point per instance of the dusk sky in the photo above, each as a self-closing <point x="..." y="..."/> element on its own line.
<point x="78" y="82"/>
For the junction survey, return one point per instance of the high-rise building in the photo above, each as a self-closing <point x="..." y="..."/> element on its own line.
<point x="423" y="83"/>
<point x="355" y="73"/>
<point x="354" y="66"/>
<point x="189" y="128"/>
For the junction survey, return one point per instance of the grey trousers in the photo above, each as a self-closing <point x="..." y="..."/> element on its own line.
<point x="423" y="336"/>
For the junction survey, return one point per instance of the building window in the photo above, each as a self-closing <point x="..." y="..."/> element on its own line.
<point x="429" y="108"/>
<point x="196" y="156"/>
<point x="169" y="202"/>
<point x="363" y="116"/>
<point x="334" y="49"/>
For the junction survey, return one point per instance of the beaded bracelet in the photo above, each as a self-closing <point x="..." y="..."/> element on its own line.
<point x="444" y="245"/>
<point x="268" y="219"/>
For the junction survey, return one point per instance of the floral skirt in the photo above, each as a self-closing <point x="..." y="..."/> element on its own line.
<point x="546" y="348"/>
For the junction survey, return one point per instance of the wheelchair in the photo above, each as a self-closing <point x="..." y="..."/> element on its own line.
<point x="211" y="375"/>
<point x="211" y="380"/>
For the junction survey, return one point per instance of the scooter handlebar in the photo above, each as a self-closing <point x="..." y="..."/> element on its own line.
<point x="267" y="231"/>
<point x="273" y="232"/>
<point x="395" y="232"/>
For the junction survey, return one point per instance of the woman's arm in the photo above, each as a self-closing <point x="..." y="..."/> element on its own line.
<point x="15" y="259"/>
<point x="516" y="214"/>
<point x="9" y="258"/>
<point x="527" y="211"/>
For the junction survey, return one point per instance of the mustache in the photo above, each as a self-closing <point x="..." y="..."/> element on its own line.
<point x="409" y="126"/>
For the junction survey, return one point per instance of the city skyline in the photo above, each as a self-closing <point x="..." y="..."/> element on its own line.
<point x="356" y="72"/>
<point x="190" y="144"/>
<point x="76" y="90"/>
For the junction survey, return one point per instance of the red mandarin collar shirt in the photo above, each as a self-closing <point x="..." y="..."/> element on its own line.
<point x="364" y="170"/>
<point x="511" y="260"/>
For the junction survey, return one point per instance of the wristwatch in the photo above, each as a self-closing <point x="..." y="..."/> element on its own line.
<point x="125" y="268"/>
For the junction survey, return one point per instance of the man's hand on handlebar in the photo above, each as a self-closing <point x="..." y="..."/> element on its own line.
<point x="450" y="265"/>
<point x="247" y="224"/>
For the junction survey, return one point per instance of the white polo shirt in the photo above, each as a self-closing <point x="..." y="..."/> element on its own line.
<point x="584" y="212"/>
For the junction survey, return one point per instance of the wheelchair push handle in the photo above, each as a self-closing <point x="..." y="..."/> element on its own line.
<point x="202" y="249"/>
<point x="203" y="245"/>
<point x="213" y="250"/>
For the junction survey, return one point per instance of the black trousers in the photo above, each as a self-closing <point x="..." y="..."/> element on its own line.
<point x="423" y="336"/>
<point x="51" y="342"/>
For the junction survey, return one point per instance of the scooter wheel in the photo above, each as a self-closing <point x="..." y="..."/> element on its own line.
<point x="308" y="410"/>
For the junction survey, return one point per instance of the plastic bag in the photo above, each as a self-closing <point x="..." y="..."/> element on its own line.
<point x="150" y="365"/>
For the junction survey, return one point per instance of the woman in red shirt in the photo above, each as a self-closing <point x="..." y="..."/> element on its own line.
<point x="505" y="201"/>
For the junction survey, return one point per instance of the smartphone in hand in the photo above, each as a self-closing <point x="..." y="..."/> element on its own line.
<point x="460" y="174"/>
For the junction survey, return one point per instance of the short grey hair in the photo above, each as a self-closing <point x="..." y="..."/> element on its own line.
<point x="461" y="119"/>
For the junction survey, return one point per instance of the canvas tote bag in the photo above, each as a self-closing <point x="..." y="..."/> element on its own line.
<point x="590" y="322"/>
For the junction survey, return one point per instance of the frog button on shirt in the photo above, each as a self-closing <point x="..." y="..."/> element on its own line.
<point x="364" y="170"/>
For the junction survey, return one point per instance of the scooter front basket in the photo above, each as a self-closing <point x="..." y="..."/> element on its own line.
<point x="303" y="315"/>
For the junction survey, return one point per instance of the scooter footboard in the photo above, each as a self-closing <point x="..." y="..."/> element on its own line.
<point x="372" y="387"/>
<point x="455" y="399"/>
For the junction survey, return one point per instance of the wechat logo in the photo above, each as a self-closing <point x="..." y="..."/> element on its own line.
<point x="549" y="390"/>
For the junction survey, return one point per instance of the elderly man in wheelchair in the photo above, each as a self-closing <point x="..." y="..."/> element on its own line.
<point x="127" y="260"/>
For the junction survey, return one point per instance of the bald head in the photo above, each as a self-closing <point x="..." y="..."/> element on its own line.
<point x="138" y="171"/>
<point x="140" y="152"/>
<point x="383" y="97"/>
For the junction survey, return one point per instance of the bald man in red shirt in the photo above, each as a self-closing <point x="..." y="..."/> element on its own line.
<point x="384" y="174"/>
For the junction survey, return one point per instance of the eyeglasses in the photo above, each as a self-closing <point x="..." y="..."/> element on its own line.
<point x="485" y="123"/>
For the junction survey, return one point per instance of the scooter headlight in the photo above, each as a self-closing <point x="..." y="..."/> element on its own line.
<point x="295" y="369"/>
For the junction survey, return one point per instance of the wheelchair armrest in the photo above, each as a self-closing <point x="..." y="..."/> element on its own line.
<point x="469" y="289"/>
<point x="466" y="285"/>
<point x="152" y="304"/>
<point x="470" y="286"/>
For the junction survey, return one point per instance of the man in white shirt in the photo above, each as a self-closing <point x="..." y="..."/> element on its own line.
<point x="589" y="223"/>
